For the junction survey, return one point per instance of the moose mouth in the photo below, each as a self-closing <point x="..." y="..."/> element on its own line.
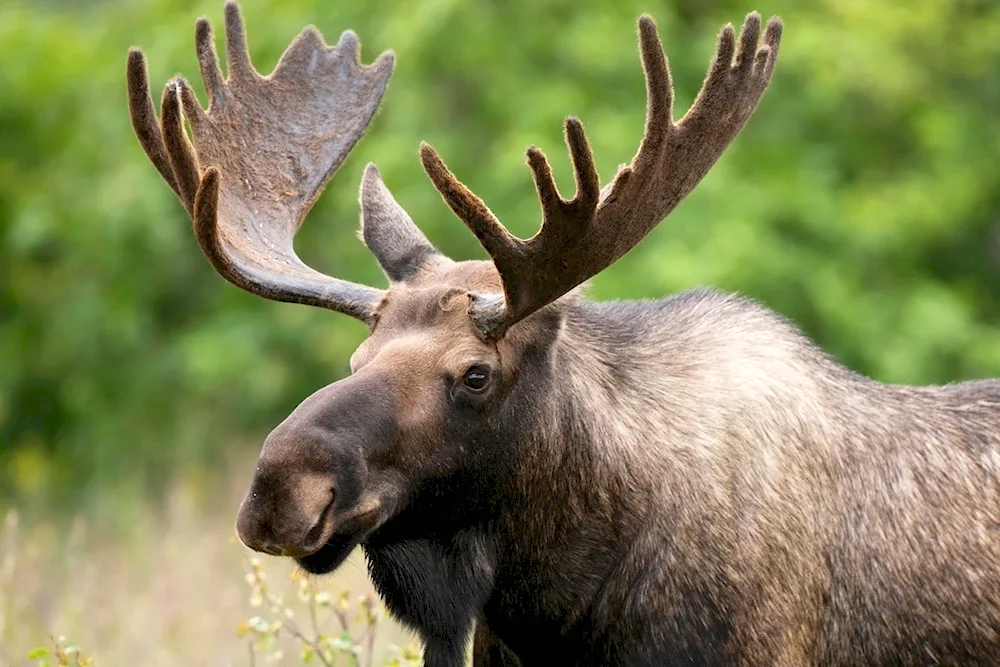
<point x="340" y="544"/>
<point x="332" y="554"/>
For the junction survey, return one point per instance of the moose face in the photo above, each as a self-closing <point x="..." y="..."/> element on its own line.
<point x="346" y="459"/>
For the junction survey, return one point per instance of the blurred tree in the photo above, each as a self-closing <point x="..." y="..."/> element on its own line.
<point x="862" y="201"/>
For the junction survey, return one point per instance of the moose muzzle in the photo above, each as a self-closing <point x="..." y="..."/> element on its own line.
<point x="309" y="486"/>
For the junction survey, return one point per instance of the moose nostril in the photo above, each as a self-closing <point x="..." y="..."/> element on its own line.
<point x="316" y="532"/>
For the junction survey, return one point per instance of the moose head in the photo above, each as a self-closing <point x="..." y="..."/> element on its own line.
<point x="449" y="341"/>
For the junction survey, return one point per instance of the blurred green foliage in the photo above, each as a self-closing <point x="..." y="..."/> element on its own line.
<point x="862" y="201"/>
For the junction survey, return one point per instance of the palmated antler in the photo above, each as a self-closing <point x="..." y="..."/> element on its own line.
<point x="262" y="153"/>
<point x="580" y="237"/>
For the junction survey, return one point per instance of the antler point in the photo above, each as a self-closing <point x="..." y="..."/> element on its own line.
<point x="349" y="40"/>
<point x="136" y="61"/>
<point x="177" y="83"/>
<point x="231" y="10"/>
<point x="535" y="157"/>
<point x="136" y="66"/>
<point x="435" y="167"/>
<point x="427" y="153"/>
<point x="574" y="130"/>
<point x="775" y="26"/>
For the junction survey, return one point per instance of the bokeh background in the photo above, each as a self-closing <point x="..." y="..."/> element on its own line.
<point x="862" y="201"/>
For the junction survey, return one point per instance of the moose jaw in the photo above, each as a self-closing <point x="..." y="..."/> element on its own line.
<point x="686" y="481"/>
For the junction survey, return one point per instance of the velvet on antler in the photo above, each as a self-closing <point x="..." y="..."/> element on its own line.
<point x="580" y="237"/>
<point x="262" y="153"/>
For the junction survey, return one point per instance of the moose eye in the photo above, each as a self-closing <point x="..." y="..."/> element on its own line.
<point x="476" y="379"/>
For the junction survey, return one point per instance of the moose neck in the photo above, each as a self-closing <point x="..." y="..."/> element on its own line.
<point x="575" y="482"/>
<point x="644" y="408"/>
<point x="579" y="386"/>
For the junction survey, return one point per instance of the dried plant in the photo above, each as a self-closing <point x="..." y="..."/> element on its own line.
<point x="332" y="629"/>
<point x="62" y="654"/>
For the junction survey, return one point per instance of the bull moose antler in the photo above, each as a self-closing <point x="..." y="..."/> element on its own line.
<point x="262" y="153"/>
<point x="580" y="237"/>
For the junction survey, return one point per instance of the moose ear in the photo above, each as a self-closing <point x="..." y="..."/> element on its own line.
<point x="400" y="248"/>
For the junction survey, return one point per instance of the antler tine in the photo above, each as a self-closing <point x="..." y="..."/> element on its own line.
<point x="237" y="53"/>
<point x="208" y="63"/>
<point x="143" y="117"/>
<point x="467" y="206"/>
<point x="580" y="237"/>
<point x="562" y="218"/>
<point x="179" y="150"/>
<point x="262" y="153"/>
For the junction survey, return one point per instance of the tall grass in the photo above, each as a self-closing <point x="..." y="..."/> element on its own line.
<point x="174" y="586"/>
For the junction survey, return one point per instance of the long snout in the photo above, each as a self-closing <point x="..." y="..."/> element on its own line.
<point x="312" y="467"/>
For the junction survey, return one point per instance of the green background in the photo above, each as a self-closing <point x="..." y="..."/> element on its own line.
<point x="862" y="201"/>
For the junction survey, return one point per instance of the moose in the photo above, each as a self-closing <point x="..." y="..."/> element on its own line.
<point x="689" y="481"/>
